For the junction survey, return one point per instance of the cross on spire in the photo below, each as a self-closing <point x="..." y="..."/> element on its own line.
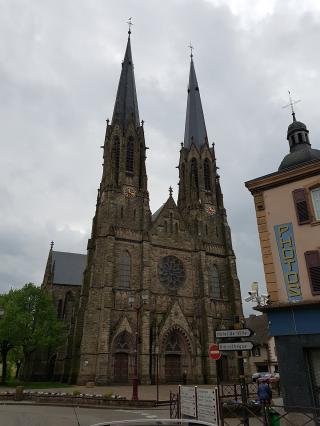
<point x="51" y="245"/>
<point x="170" y="191"/>
<point x="129" y="25"/>
<point x="191" y="50"/>
<point x="290" y="104"/>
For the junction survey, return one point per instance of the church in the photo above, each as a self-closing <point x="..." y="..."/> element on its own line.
<point x="145" y="301"/>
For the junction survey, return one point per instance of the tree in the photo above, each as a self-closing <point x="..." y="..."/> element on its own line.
<point x="30" y="322"/>
<point x="9" y="333"/>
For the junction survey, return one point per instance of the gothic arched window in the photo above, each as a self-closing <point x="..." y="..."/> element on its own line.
<point x="124" y="270"/>
<point x="214" y="282"/>
<point x="130" y="155"/>
<point x="122" y="343"/>
<point x="173" y="342"/>
<point x="194" y="172"/>
<point x="68" y="307"/>
<point x="116" y="157"/>
<point x="207" y="175"/>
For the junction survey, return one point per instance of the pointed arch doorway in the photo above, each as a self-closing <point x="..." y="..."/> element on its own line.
<point x="121" y="358"/>
<point x="175" y="357"/>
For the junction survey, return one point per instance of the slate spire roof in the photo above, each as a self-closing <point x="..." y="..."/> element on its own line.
<point x="195" y="130"/>
<point x="126" y="105"/>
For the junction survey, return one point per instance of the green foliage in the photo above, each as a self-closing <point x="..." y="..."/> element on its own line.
<point x="29" y="323"/>
<point x="34" y="319"/>
<point x="76" y="393"/>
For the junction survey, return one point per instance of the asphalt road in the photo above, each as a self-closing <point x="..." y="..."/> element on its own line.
<point x="25" y="415"/>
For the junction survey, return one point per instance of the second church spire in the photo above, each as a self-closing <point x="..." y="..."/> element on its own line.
<point x="195" y="130"/>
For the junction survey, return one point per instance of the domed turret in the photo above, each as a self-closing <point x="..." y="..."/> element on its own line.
<point x="300" y="147"/>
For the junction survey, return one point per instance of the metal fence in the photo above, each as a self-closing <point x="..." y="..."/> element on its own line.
<point x="234" y="413"/>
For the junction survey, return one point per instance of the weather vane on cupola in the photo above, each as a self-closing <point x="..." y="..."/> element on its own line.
<point x="290" y="104"/>
<point x="129" y="22"/>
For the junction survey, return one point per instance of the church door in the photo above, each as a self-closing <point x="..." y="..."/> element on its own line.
<point x="173" y="368"/>
<point x="121" y="368"/>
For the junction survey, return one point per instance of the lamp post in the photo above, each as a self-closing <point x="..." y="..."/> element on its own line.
<point x="143" y="299"/>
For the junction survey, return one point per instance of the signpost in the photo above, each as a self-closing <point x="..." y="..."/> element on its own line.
<point x="236" y="346"/>
<point x="242" y="332"/>
<point x="214" y="351"/>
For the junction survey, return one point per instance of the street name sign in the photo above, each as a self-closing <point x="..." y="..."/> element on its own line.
<point x="242" y="332"/>
<point x="236" y="346"/>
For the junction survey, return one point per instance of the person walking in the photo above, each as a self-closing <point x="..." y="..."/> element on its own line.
<point x="264" y="392"/>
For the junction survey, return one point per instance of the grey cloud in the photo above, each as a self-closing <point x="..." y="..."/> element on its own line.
<point x="59" y="69"/>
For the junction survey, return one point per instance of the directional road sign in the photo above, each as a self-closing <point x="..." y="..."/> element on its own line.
<point x="214" y="351"/>
<point x="242" y="332"/>
<point x="236" y="346"/>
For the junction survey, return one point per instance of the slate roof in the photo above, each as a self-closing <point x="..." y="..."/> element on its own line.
<point x="68" y="267"/>
<point x="302" y="153"/>
<point x="195" y="128"/>
<point x="126" y="105"/>
<point x="156" y="213"/>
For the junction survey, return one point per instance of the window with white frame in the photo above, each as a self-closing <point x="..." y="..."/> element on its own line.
<point x="315" y="195"/>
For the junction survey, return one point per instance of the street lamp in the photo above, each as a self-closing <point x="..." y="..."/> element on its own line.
<point x="143" y="299"/>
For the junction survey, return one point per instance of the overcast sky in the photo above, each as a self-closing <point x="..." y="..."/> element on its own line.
<point x="60" y="63"/>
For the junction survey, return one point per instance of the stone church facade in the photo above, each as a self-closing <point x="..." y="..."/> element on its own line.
<point x="155" y="287"/>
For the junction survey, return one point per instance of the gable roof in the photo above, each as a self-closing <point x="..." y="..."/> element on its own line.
<point x="68" y="268"/>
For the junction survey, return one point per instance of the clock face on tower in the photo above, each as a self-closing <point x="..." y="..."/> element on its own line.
<point x="210" y="209"/>
<point x="171" y="272"/>
<point x="129" y="192"/>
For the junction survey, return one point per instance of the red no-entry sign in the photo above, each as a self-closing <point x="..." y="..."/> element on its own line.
<point x="214" y="351"/>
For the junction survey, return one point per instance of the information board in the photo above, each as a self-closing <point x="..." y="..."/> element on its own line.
<point x="207" y="405"/>
<point x="188" y="406"/>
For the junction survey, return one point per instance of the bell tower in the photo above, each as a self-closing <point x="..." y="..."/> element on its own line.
<point x="200" y="198"/>
<point x="119" y="228"/>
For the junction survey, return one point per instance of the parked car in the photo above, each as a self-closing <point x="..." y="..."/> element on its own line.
<point x="259" y="375"/>
<point x="271" y="377"/>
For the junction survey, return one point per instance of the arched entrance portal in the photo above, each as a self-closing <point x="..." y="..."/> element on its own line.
<point x="121" y="358"/>
<point x="175" y="357"/>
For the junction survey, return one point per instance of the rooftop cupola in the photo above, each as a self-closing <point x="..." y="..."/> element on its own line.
<point x="195" y="129"/>
<point x="126" y="105"/>
<point x="300" y="147"/>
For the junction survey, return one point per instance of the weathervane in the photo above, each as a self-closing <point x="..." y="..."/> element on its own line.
<point x="290" y="104"/>
<point x="129" y="25"/>
<point x="191" y="49"/>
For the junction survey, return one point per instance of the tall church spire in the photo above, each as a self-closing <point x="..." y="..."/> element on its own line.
<point x="195" y="130"/>
<point x="126" y="105"/>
